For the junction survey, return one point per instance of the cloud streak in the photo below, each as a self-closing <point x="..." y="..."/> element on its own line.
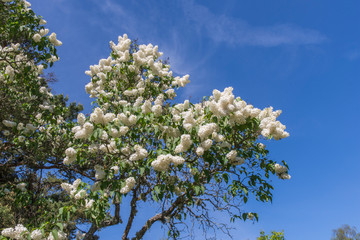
<point x="221" y="28"/>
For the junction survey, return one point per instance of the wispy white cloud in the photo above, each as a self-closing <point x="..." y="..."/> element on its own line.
<point x="150" y="24"/>
<point x="183" y="28"/>
<point x="221" y="28"/>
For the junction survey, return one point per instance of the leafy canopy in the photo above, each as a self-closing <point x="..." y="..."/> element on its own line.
<point x="138" y="147"/>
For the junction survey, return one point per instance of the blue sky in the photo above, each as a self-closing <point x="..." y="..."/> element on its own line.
<point x="300" y="56"/>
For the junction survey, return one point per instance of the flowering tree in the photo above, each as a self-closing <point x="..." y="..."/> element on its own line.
<point x="273" y="236"/>
<point x="138" y="147"/>
<point x="34" y="123"/>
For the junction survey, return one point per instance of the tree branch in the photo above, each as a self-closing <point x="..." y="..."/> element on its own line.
<point x="157" y="217"/>
<point x="132" y="214"/>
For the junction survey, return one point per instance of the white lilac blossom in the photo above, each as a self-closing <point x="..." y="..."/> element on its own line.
<point x="185" y="143"/>
<point x="282" y="171"/>
<point x="231" y="155"/>
<point x="81" y="194"/>
<point x="224" y="104"/>
<point x="181" y="81"/>
<point x="189" y="121"/>
<point x="36" y="234"/>
<point x="130" y="183"/>
<point x="21" y="138"/>
<point x="79" y="235"/>
<point x="238" y="161"/>
<point x="6" y="133"/>
<point x="8" y="123"/>
<point x="269" y="125"/>
<point x="128" y="121"/>
<point x="30" y="128"/>
<point x="146" y="107"/>
<point x="206" y="145"/>
<point x="54" y="41"/>
<point x="83" y="131"/>
<point x="116" y="169"/>
<point x="89" y="203"/>
<point x="37" y="37"/>
<point x="250" y="216"/>
<point x="99" y="172"/>
<point x="81" y="118"/>
<point x="140" y="153"/>
<point x="43" y="32"/>
<point x="72" y="189"/>
<point x="20" y="126"/>
<point x="234" y="159"/>
<point x="21" y="186"/>
<point x="60" y="236"/>
<point x="162" y="162"/>
<point x="261" y="145"/>
<point x="19" y="232"/>
<point x="200" y="151"/>
<point x="207" y="130"/>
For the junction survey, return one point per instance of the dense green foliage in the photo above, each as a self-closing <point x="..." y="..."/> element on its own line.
<point x="29" y="156"/>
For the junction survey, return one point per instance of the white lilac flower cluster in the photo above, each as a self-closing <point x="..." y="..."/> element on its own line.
<point x="224" y="104"/>
<point x="86" y="128"/>
<point x="99" y="172"/>
<point x="79" y="235"/>
<point x="101" y="85"/>
<point x="129" y="184"/>
<point x="24" y="3"/>
<point x="250" y="216"/>
<point x="282" y="171"/>
<point x="126" y="118"/>
<point x="70" y="156"/>
<point x="269" y="125"/>
<point x="117" y="132"/>
<point x="140" y="153"/>
<point x="15" y="55"/>
<point x="20" y="131"/>
<point x="207" y="130"/>
<point x="72" y="189"/>
<point x="132" y="87"/>
<point x="145" y="57"/>
<point x="162" y="162"/>
<point x="107" y="148"/>
<point x="21" y="232"/>
<point x="185" y="143"/>
<point x="21" y="186"/>
<point x="158" y="103"/>
<point x="27" y="128"/>
<point x="234" y="159"/>
<point x="54" y="41"/>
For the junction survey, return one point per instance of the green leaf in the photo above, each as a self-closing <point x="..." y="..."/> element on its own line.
<point x="157" y="188"/>
<point x="55" y="234"/>
<point x="226" y="177"/>
<point x="60" y="226"/>
<point x="155" y="197"/>
<point x="197" y="190"/>
<point x="244" y="216"/>
<point x="61" y="210"/>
